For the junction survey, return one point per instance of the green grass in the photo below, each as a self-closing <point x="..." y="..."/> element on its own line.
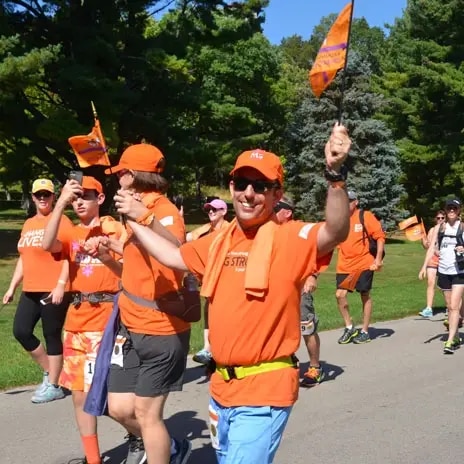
<point x="397" y="293"/>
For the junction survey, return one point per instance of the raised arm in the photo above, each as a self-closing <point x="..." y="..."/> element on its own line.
<point x="71" y="190"/>
<point x="337" y="214"/>
<point x="153" y="236"/>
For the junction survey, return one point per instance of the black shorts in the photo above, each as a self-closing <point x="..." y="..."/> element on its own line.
<point x="446" y="281"/>
<point x="150" y="365"/>
<point x="364" y="283"/>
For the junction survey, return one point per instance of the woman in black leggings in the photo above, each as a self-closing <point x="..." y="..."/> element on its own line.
<point x="44" y="279"/>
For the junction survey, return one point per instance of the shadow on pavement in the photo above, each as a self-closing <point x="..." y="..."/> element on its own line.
<point x="331" y="370"/>
<point x="195" y="373"/>
<point x="375" y="332"/>
<point x="116" y="455"/>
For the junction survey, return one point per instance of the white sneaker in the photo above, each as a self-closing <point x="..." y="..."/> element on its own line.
<point x="51" y="393"/>
<point x="43" y="386"/>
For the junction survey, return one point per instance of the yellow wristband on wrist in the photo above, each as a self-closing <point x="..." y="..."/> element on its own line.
<point x="62" y="282"/>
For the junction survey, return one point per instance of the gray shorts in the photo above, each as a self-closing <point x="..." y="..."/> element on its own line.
<point x="148" y="365"/>
<point x="308" y="317"/>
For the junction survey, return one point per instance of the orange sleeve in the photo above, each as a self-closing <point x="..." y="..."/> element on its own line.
<point x="168" y="215"/>
<point x="373" y="226"/>
<point x="195" y="254"/>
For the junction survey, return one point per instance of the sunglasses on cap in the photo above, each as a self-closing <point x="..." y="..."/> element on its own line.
<point x="43" y="194"/>
<point x="282" y="205"/>
<point x="259" y="186"/>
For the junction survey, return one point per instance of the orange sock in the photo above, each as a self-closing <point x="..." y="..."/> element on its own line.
<point x="91" y="449"/>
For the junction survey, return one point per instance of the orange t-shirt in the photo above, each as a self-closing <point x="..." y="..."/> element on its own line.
<point x="41" y="269"/>
<point x="245" y="330"/>
<point x="87" y="275"/>
<point x="145" y="277"/>
<point x="353" y="253"/>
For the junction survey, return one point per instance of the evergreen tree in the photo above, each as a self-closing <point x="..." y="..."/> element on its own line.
<point x="373" y="162"/>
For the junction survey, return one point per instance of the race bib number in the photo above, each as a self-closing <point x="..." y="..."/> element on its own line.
<point x="89" y="369"/>
<point x="307" y="327"/>
<point x="117" y="356"/>
<point x="213" y="427"/>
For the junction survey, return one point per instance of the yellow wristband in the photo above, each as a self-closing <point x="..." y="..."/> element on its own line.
<point x="62" y="282"/>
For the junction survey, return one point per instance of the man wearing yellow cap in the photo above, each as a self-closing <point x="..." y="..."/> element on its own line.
<point x="252" y="272"/>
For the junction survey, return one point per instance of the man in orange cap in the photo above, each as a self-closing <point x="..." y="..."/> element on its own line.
<point x="94" y="281"/>
<point x="252" y="273"/>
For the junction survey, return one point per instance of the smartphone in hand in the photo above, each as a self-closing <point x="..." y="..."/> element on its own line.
<point x="76" y="175"/>
<point x="47" y="300"/>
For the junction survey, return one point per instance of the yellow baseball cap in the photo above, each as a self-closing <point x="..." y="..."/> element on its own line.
<point x="43" y="184"/>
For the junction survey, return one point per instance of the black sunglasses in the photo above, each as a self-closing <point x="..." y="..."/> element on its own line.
<point x="259" y="186"/>
<point x="281" y="205"/>
<point x="43" y="194"/>
<point x="440" y="217"/>
<point x="208" y="210"/>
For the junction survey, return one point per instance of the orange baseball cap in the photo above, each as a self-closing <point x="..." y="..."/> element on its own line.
<point x="265" y="162"/>
<point x="140" y="157"/>
<point x="90" y="183"/>
<point x="43" y="184"/>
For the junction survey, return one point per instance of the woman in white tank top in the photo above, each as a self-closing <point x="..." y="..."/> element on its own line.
<point x="448" y="239"/>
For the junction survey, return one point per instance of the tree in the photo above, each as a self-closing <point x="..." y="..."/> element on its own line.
<point x="373" y="162"/>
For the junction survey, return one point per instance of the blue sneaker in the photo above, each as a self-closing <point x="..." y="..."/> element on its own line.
<point x="202" y="357"/>
<point x="426" y="312"/>
<point x="43" y="386"/>
<point x="51" y="393"/>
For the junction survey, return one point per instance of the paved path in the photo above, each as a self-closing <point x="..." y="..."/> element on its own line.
<point x="397" y="400"/>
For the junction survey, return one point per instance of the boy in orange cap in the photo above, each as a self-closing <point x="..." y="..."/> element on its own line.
<point x="93" y="283"/>
<point x="252" y="273"/>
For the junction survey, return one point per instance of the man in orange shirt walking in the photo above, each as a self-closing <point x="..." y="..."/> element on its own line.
<point x="356" y="262"/>
<point x="252" y="273"/>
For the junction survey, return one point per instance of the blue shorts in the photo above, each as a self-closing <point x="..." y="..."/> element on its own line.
<point x="246" y="434"/>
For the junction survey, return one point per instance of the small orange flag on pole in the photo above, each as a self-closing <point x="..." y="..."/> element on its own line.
<point x="408" y="222"/>
<point x="332" y="54"/>
<point x="90" y="149"/>
<point x="415" y="232"/>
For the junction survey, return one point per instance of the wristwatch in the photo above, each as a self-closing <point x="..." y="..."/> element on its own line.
<point x="334" y="176"/>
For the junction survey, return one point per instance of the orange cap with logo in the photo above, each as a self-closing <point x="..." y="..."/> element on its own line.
<point x="140" y="157"/>
<point x="90" y="183"/>
<point x="43" y="184"/>
<point x="267" y="163"/>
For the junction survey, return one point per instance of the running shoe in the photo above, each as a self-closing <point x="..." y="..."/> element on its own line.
<point x="202" y="357"/>
<point x="313" y="376"/>
<point x="51" y="393"/>
<point x="362" y="337"/>
<point x="426" y="312"/>
<point x="43" y="386"/>
<point x="451" y="346"/>
<point x="348" y="335"/>
<point x="184" y="448"/>
<point x="136" y="452"/>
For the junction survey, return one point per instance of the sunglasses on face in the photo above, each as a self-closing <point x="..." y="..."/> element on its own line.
<point x="259" y="186"/>
<point x="43" y="194"/>
<point x="440" y="218"/>
<point x="212" y="210"/>
<point x="451" y="208"/>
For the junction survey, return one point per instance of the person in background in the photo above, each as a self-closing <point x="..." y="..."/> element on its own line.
<point x="432" y="267"/>
<point x="308" y="319"/>
<point x="44" y="280"/>
<point x="354" y="258"/>
<point x="216" y="210"/>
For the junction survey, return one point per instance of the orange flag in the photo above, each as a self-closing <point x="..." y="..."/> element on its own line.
<point x="332" y="54"/>
<point x="415" y="232"/>
<point x="408" y="222"/>
<point x="90" y="149"/>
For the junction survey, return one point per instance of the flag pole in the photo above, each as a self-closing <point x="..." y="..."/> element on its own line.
<point x="343" y="84"/>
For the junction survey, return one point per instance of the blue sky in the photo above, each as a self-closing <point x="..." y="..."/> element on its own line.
<point x="288" y="17"/>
